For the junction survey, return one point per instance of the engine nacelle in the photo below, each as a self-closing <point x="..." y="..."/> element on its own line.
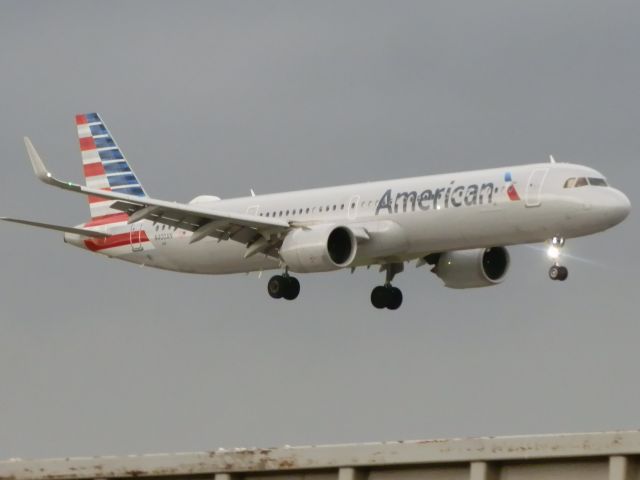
<point x="319" y="248"/>
<point x="480" y="267"/>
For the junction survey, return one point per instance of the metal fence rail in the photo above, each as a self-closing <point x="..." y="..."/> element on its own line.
<point x="610" y="455"/>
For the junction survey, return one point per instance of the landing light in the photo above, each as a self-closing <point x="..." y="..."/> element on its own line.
<point x="553" y="252"/>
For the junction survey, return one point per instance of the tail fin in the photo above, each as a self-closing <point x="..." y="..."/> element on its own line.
<point x="105" y="166"/>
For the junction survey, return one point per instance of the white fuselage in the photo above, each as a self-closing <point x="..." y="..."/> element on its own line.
<point x="423" y="215"/>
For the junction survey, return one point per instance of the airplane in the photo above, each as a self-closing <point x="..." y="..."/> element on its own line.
<point x="457" y="223"/>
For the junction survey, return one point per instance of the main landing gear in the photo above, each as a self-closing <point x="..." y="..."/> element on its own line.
<point x="284" y="286"/>
<point x="388" y="296"/>
<point x="557" y="271"/>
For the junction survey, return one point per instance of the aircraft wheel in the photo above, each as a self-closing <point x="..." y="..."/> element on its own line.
<point x="564" y="273"/>
<point x="292" y="289"/>
<point x="559" y="273"/>
<point x="395" y="299"/>
<point x="277" y="286"/>
<point x="380" y="297"/>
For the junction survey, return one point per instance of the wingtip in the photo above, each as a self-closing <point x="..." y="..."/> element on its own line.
<point x="37" y="164"/>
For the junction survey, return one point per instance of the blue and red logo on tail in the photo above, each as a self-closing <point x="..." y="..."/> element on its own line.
<point x="105" y="168"/>
<point x="511" y="189"/>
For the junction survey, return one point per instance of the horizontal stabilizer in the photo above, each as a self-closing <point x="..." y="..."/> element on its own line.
<point x="59" y="228"/>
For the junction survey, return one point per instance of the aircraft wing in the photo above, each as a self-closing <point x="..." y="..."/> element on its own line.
<point x="203" y="222"/>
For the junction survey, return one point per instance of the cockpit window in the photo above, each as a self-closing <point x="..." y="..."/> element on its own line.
<point x="581" y="182"/>
<point x="597" y="182"/>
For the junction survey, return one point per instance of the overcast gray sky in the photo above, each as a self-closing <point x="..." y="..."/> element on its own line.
<point x="99" y="356"/>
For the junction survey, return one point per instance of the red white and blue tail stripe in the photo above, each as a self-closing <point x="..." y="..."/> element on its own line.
<point x="105" y="168"/>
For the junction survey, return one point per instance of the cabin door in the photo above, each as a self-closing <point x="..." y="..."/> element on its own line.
<point x="352" y="212"/>
<point x="136" y="236"/>
<point x="534" y="187"/>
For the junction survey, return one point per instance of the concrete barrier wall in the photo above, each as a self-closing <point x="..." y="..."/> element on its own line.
<point x="610" y="455"/>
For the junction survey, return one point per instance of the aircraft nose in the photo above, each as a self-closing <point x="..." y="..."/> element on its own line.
<point x="619" y="206"/>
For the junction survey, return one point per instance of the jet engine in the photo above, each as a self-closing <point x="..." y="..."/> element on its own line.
<point x="319" y="248"/>
<point x="482" y="267"/>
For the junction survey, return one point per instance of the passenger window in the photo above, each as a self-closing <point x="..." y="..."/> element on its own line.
<point x="581" y="182"/>
<point x="320" y="209"/>
<point x="570" y="183"/>
<point x="598" y="182"/>
<point x="334" y="207"/>
<point x="342" y="207"/>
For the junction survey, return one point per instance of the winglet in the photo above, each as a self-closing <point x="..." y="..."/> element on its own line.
<point x="551" y="159"/>
<point x="41" y="170"/>
<point x="36" y="162"/>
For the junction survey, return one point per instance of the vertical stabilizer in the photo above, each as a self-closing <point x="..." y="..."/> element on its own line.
<point x="105" y="168"/>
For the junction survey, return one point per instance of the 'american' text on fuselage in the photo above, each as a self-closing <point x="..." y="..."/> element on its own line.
<point x="439" y="198"/>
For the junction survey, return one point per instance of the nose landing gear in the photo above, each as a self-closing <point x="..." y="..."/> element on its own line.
<point x="388" y="296"/>
<point x="557" y="271"/>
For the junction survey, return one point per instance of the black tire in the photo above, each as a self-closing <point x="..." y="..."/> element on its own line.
<point x="380" y="297"/>
<point x="395" y="299"/>
<point x="564" y="273"/>
<point x="277" y="286"/>
<point x="292" y="289"/>
<point x="554" y="272"/>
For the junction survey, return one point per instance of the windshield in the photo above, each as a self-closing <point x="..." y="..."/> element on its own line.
<point x="598" y="182"/>
<point x="584" y="181"/>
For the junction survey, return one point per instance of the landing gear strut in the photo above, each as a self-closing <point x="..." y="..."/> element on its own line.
<point x="557" y="271"/>
<point x="388" y="296"/>
<point x="283" y="286"/>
